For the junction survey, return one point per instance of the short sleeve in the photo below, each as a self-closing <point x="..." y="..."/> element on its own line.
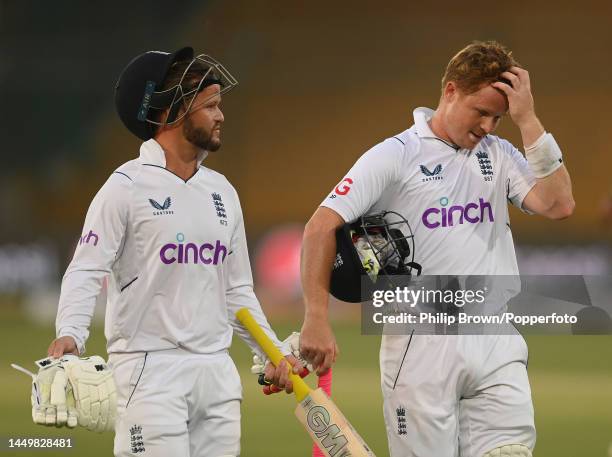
<point x="366" y="181"/>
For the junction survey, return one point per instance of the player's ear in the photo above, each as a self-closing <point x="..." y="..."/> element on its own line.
<point x="162" y="116"/>
<point x="450" y="91"/>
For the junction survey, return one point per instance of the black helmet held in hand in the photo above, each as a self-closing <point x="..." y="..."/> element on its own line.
<point x="375" y="246"/>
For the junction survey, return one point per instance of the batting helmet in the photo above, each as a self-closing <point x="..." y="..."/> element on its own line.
<point x="140" y="97"/>
<point x="375" y="246"/>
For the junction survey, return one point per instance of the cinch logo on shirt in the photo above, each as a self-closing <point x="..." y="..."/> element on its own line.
<point x="91" y="236"/>
<point x="192" y="253"/>
<point x="472" y="213"/>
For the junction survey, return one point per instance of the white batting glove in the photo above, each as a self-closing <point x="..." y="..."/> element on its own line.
<point x="259" y="364"/>
<point x="71" y="391"/>
<point x="293" y="341"/>
<point x="52" y="399"/>
<point x="94" y="392"/>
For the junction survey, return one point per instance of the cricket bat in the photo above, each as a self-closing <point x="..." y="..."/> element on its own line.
<point x="325" y="382"/>
<point x="321" y="418"/>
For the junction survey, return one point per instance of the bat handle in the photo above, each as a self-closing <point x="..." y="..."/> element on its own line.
<point x="300" y="388"/>
<point x="325" y="383"/>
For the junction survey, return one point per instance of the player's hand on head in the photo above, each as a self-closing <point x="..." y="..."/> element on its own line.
<point x="318" y="344"/>
<point x="62" y="345"/>
<point x="520" y="100"/>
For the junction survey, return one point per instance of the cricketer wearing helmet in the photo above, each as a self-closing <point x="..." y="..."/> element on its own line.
<point x="169" y="233"/>
<point x="452" y="179"/>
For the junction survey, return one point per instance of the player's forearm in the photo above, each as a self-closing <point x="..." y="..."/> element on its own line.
<point x="243" y="296"/>
<point x="531" y="129"/>
<point x="552" y="195"/>
<point x="555" y="191"/>
<point x="80" y="289"/>
<point x="318" y="250"/>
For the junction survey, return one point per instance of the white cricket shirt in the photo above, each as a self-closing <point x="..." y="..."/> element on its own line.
<point x="177" y="257"/>
<point x="456" y="200"/>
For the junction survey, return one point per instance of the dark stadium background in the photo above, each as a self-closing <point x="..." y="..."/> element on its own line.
<point x="320" y="82"/>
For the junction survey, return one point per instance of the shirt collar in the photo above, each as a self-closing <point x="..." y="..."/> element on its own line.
<point x="152" y="152"/>
<point x="422" y="116"/>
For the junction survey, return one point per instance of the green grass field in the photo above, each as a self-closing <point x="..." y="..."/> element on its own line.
<point x="571" y="380"/>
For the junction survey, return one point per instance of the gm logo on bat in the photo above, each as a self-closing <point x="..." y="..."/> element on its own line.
<point x="329" y="435"/>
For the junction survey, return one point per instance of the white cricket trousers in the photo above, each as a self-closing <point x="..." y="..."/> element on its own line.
<point x="176" y="403"/>
<point x="455" y="395"/>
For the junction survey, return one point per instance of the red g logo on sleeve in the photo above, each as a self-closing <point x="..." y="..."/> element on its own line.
<point x="344" y="186"/>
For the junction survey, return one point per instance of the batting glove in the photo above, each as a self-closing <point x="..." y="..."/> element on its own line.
<point x="94" y="392"/>
<point x="71" y="391"/>
<point x="259" y="364"/>
<point x="52" y="399"/>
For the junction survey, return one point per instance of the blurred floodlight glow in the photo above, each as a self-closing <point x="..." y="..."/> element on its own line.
<point x="277" y="261"/>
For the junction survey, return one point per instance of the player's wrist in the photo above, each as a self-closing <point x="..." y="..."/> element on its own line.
<point x="544" y="156"/>
<point x="316" y="308"/>
<point x="71" y="343"/>
<point x="318" y="314"/>
<point x="530" y="126"/>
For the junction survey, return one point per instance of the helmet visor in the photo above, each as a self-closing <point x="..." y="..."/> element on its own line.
<point x="201" y="72"/>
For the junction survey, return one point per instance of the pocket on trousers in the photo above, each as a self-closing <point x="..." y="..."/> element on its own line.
<point x="401" y="365"/>
<point x="136" y="377"/>
<point x="236" y="378"/>
<point x="394" y="361"/>
<point x="525" y="350"/>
